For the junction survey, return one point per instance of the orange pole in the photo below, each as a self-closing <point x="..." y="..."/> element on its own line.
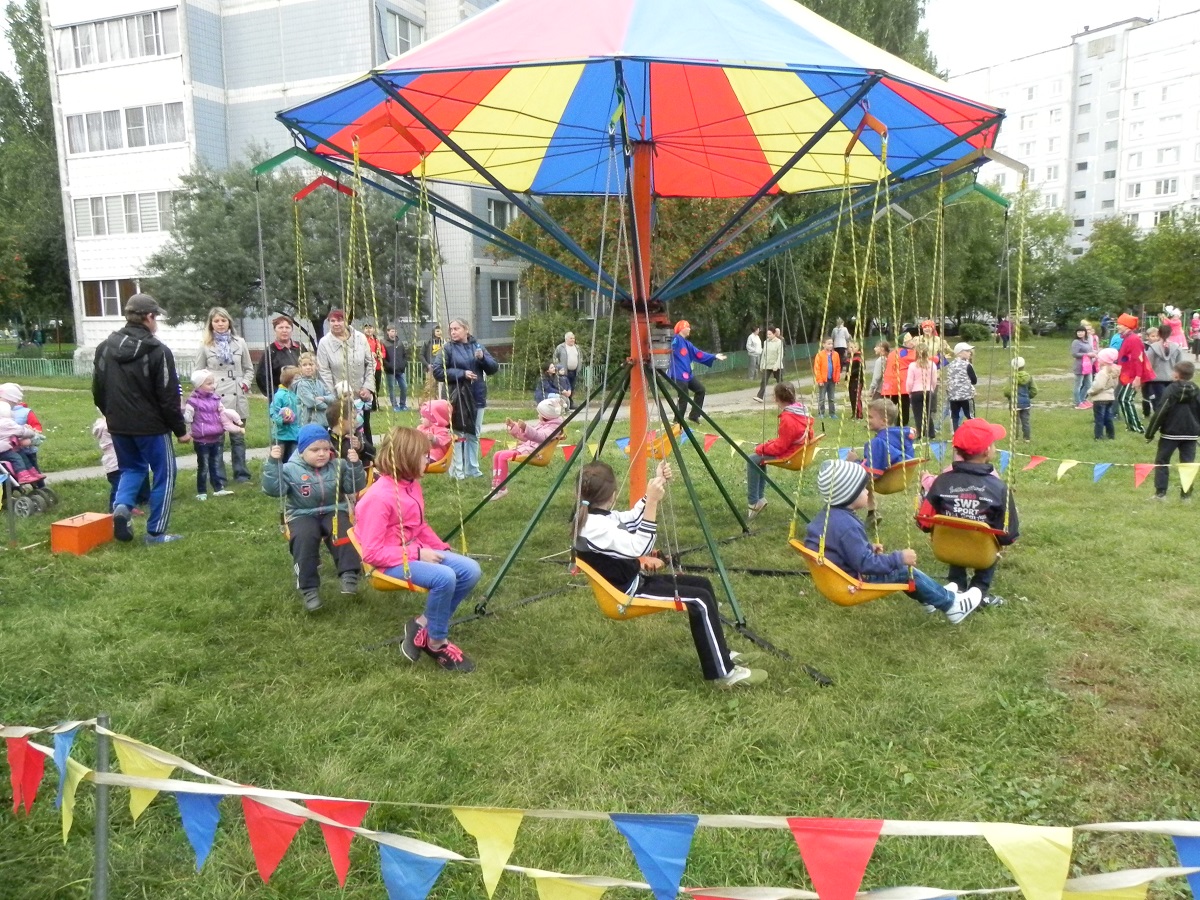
<point x="639" y="333"/>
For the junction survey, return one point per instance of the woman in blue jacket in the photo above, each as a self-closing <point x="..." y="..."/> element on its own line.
<point x="463" y="366"/>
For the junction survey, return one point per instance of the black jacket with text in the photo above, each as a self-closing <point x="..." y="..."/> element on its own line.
<point x="135" y="386"/>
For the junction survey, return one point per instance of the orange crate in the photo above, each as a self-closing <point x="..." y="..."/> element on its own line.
<point x="81" y="533"/>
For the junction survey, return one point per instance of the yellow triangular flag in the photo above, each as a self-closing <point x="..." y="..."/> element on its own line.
<point x="1066" y="466"/>
<point x="76" y="772"/>
<point x="592" y="448"/>
<point x="1038" y="857"/>
<point x="1137" y="892"/>
<point x="1187" y="475"/>
<point x="495" y="830"/>
<point x="562" y="889"/>
<point x="135" y="761"/>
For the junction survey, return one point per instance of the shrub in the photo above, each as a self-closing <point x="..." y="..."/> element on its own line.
<point x="974" y="333"/>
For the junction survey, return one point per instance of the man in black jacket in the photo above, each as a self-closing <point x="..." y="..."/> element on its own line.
<point x="395" y="369"/>
<point x="135" y="386"/>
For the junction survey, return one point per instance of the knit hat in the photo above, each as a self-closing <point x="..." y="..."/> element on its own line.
<point x="10" y="392"/>
<point x="839" y="482"/>
<point x="1018" y="362"/>
<point x="199" y="376"/>
<point x="550" y="408"/>
<point x="310" y="434"/>
<point x="1107" y="357"/>
<point x="1130" y="322"/>
<point x="682" y="324"/>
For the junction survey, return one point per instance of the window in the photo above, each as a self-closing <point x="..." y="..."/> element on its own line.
<point x="1027" y="122"/>
<point x="501" y="213"/>
<point x="123" y="214"/>
<point x="1136" y="129"/>
<point x="1170" y="124"/>
<point x="402" y="34"/>
<point x="1110" y="174"/>
<point x="1052" y="146"/>
<point x="1108" y="204"/>
<point x="1056" y="87"/>
<point x="149" y="126"/>
<point x="1030" y="93"/>
<point x="1131" y="220"/>
<point x="117" y="40"/>
<point x="1032" y="175"/>
<point x="166" y="211"/>
<point x="1101" y="46"/>
<point x="1139" y="98"/>
<point x="1081" y="167"/>
<point x="1083" y="137"/>
<point x="1027" y="148"/>
<point x="1168" y="156"/>
<point x="94" y="132"/>
<point x="1079" y="223"/>
<point x="1002" y="179"/>
<point x="1170" y="92"/>
<point x="1085" y="108"/>
<point x="1055" y="116"/>
<point x="1052" y="173"/>
<point x="106" y="298"/>
<point x="1196" y="184"/>
<point x="1133" y="190"/>
<point x="1110" y="145"/>
<point x="1051" y="201"/>
<point x="1163" y="216"/>
<point x="1085" y="80"/>
<point x="1165" y="187"/>
<point x="504" y="299"/>
<point x="1135" y="160"/>
<point x="1081" y="195"/>
<point x="1112" y="114"/>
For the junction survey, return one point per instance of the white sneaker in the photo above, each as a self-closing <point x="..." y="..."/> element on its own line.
<point x="951" y="586"/>
<point x="757" y="508"/>
<point x="759" y="400"/>
<point x="223" y="493"/>
<point x="742" y="675"/>
<point x="202" y="496"/>
<point x="964" y="604"/>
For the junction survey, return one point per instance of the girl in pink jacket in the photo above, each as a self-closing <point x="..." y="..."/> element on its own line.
<point x="395" y="538"/>
<point x="435" y="425"/>
<point x="922" y="380"/>
<point x="549" y="421"/>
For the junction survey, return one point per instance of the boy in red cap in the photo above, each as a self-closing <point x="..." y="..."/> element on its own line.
<point x="972" y="490"/>
<point x="1132" y="360"/>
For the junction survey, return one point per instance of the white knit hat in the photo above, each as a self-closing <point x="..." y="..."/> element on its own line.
<point x="10" y="392"/>
<point x="550" y="408"/>
<point x="1018" y="362"/>
<point x="199" y="376"/>
<point x="839" y="481"/>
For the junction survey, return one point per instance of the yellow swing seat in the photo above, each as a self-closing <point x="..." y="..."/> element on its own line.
<point x="895" y="479"/>
<point x="379" y="579"/>
<point x="837" y="586"/>
<point x="961" y="542"/>
<point x="544" y="456"/>
<point x="660" y="447"/>
<point x="441" y="466"/>
<point x="800" y="457"/>
<point x="618" y="605"/>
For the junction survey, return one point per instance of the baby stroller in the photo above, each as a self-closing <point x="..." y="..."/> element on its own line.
<point x="25" y="499"/>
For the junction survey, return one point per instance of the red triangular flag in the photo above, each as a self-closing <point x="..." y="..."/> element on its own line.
<point x="709" y="440"/>
<point x="568" y="451"/>
<point x="26" y="768"/>
<point x="1141" y="472"/>
<point x="271" y="832"/>
<point x="485" y="447"/>
<point x="1034" y="462"/>
<point x="836" y="853"/>
<point x="337" y="840"/>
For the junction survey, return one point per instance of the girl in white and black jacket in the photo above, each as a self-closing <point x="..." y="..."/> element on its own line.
<point x="617" y="545"/>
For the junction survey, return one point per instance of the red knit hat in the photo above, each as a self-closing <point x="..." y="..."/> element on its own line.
<point x="1127" y="320"/>
<point x="682" y="324"/>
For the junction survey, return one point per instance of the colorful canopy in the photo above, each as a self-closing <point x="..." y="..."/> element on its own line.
<point x="542" y="94"/>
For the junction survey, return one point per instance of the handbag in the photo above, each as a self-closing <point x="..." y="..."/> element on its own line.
<point x="462" y="408"/>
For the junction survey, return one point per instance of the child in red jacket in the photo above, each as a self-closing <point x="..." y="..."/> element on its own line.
<point x="795" y="428"/>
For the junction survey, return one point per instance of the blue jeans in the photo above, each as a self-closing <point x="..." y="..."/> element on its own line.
<point x="1102" y="419"/>
<point x="756" y="483"/>
<point x="448" y="583"/>
<point x="825" y="393"/>
<point x="208" y="466"/>
<point x="399" y="381"/>
<point x="1082" y="383"/>
<point x="925" y="589"/>
<point x="137" y="456"/>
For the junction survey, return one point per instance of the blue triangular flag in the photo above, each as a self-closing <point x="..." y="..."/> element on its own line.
<point x="660" y="844"/>
<point x="1099" y="470"/>
<point x="408" y="876"/>
<point x="62" y="750"/>
<point x="843" y="452"/>
<point x="683" y="438"/>
<point x="1005" y="459"/>
<point x="1188" y="849"/>
<point x="200" y="814"/>
<point x="621" y="443"/>
<point x="937" y="448"/>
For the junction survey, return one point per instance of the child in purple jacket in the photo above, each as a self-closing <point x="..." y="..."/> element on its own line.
<point x="202" y="412"/>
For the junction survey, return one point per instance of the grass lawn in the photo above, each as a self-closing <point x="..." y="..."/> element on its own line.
<point x="1074" y="703"/>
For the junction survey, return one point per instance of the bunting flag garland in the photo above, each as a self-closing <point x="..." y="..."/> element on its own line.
<point x="568" y="451"/>
<point x="622" y="444"/>
<point x="1005" y="460"/>
<point x="135" y="761"/>
<point x="1187" y="475"/>
<point x="1137" y="892"/>
<point x="1140" y="472"/>
<point x="938" y="449"/>
<point x="836" y="853"/>
<point x="1034" y="462"/>
<point x="1064" y="467"/>
<point x="709" y="440"/>
<point x="408" y="876"/>
<point x="1188" y="849"/>
<point x="63" y="741"/>
<point x="75" y="773"/>
<point x="26" y="768"/>
<point x="495" y="831"/>
<point x="1038" y="857"/>
<point x="337" y="840"/>
<point x="660" y="844"/>
<point x="1099" y="470"/>
<point x="485" y="446"/>
<point x="843" y="452"/>
<point x="562" y="889"/>
<point x="200" y="814"/>
<point x="593" y="449"/>
<point x="271" y="832"/>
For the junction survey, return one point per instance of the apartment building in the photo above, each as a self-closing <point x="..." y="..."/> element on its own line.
<point x="142" y="91"/>
<point x="1109" y="124"/>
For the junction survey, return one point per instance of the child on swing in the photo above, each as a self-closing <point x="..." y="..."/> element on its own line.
<point x="285" y="412"/>
<point x="795" y="429"/>
<point x="435" y="425"/>
<point x="310" y="391"/>
<point x="891" y="444"/>
<point x="396" y="538"/>
<point x="550" y="419"/>
<point x="617" y="545"/>
<point x="839" y="533"/>
<point x="345" y="430"/>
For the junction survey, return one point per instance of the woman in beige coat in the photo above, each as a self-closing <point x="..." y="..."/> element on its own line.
<point x="226" y="355"/>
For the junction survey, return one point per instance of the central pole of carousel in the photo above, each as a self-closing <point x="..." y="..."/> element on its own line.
<point x="640" y="350"/>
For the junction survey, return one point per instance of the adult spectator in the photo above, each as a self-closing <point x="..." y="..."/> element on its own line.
<point x="841" y="340"/>
<point x="430" y="350"/>
<point x="754" y="350"/>
<point x="463" y="366"/>
<point x="346" y="365"/>
<point x="1083" y="364"/>
<point x="395" y="369"/>
<point x="135" y="387"/>
<point x="683" y="355"/>
<point x="1004" y="331"/>
<point x="772" y="361"/>
<point x="226" y="355"/>
<point x="566" y="357"/>
<point x="281" y="352"/>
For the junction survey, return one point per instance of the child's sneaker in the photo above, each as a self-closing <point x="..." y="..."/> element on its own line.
<point x="312" y="599"/>
<point x="951" y="586"/>
<point x="451" y="658"/>
<point x="992" y="600"/>
<point x="349" y="582"/>
<point x="415" y="639"/>
<point x="757" y="507"/>
<point x="742" y="676"/>
<point x="1159" y="497"/>
<point x="122" y="530"/>
<point x="964" y="604"/>
<point x="222" y="493"/>
<point x="503" y="492"/>
<point x="202" y="496"/>
<point x="137" y="511"/>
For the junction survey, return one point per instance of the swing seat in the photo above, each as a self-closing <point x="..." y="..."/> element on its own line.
<point x="370" y="471"/>
<point x="895" y="479"/>
<point x="441" y="466"/>
<point x="800" y="457"/>
<point x="379" y="579"/>
<point x="660" y="447"/>
<point x="961" y="542"/>
<point x="618" y="605"/>
<point x="543" y="457"/>
<point x="837" y="586"/>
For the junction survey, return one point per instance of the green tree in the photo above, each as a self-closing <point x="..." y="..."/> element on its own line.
<point x="1084" y="291"/>
<point x="1172" y="255"/>
<point x="1117" y="248"/>
<point x="212" y="256"/>
<point x="30" y="192"/>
